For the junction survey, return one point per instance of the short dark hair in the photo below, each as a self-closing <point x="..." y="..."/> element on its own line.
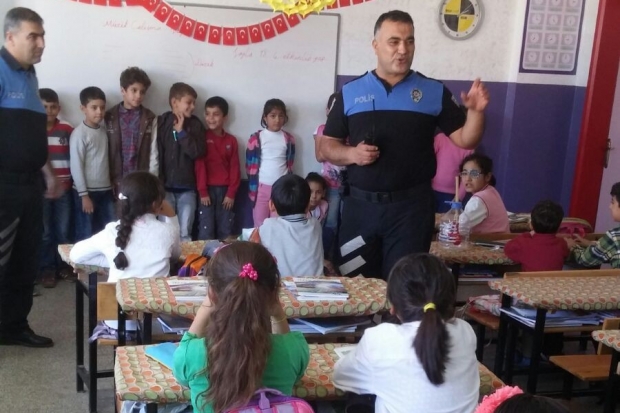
<point x="531" y="404"/>
<point x="14" y="18"/>
<point x="415" y="281"/>
<point x="397" y="16"/>
<point x="180" y="89"/>
<point x="316" y="178"/>
<point x="270" y="105"/>
<point x="547" y="217"/>
<point x="484" y="162"/>
<point x="91" y="93"/>
<point x="217" y="102"/>
<point x="48" y="95"/>
<point x="133" y="75"/>
<point x="615" y="191"/>
<point x="290" y="195"/>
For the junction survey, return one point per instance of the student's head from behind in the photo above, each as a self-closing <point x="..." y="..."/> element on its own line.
<point x="92" y="104"/>
<point x="216" y="112"/>
<point x="51" y="103"/>
<point x="243" y="287"/>
<point x="330" y="103"/>
<point x="274" y="115"/>
<point x="290" y="195"/>
<point x="547" y="217"/>
<point x="421" y="288"/>
<point x="318" y="188"/>
<point x="182" y="99"/>
<point x="24" y="35"/>
<point x="476" y="172"/>
<point x="531" y="404"/>
<point x="140" y="193"/>
<point x="615" y="202"/>
<point x="134" y="84"/>
<point x="394" y="43"/>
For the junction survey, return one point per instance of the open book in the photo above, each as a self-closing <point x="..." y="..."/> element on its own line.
<point x="188" y="289"/>
<point x="308" y="289"/>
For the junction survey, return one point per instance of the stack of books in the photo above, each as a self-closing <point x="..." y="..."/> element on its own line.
<point x="518" y="218"/>
<point x="327" y="325"/>
<point x="317" y="289"/>
<point x="560" y="318"/>
<point x="188" y="289"/>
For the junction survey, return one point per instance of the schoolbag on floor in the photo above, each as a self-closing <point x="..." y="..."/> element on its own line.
<point x="193" y="266"/>
<point x="273" y="401"/>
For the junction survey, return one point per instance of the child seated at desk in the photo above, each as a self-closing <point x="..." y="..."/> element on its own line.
<point x="139" y="244"/>
<point x="293" y="238"/>
<point x="250" y="344"/>
<point x="428" y="362"/>
<point x="541" y="249"/>
<point x="607" y="249"/>
<point x="485" y="212"/>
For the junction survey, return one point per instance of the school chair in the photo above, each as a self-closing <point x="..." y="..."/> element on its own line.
<point x="587" y="367"/>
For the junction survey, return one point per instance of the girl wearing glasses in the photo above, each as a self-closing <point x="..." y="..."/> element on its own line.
<point x="485" y="212"/>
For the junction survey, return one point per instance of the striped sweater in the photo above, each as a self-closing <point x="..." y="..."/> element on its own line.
<point x="253" y="156"/>
<point x="58" y="147"/>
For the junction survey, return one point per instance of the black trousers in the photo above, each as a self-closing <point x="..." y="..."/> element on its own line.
<point x="215" y="222"/>
<point x="374" y="236"/>
<point x="21" y="232"/>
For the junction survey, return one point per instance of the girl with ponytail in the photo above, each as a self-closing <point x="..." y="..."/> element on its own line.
<point x="427" y="363"/>
<point x="239" y="340"/>
<point x="144" y="240"/>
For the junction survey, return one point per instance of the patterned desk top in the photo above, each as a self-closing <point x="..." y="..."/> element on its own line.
<point x="472" y="254"/>
<point x="191" y="247"/>
<point x="610" y="338"/>
<point x="564" y="293"/>
<point x="366" y="296"/>
<point x="140" y="378"/>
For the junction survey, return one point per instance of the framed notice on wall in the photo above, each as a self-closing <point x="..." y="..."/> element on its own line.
<point x="551" y="36"/>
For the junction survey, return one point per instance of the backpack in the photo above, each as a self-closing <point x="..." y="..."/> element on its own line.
<point x="272" y="401"/>
<point x="193" y="266"/>
<point x="574" y="228"/>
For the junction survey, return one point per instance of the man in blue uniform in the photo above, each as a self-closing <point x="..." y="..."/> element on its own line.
<point x="24" y="169"/>
<point x="390" y="116"/>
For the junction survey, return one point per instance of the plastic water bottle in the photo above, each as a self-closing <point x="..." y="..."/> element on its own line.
<point x="453" y="228"/>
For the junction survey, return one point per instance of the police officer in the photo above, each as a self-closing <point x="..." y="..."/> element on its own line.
<point x="24" y="166"/>
<point x="390" y="116"/>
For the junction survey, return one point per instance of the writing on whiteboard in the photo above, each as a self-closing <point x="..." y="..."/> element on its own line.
<point x="244" y="53"/>
<point x="131" y="25"/>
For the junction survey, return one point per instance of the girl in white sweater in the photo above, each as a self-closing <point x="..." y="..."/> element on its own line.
<point x="139" y="244"/>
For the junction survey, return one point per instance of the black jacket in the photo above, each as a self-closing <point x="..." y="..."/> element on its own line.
<point x="177" y="155"/>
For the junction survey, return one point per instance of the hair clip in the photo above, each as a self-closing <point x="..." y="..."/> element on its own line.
<point x="248" y="271"/>
<point x="492" y="402"/>
<point x="121" y="196"/>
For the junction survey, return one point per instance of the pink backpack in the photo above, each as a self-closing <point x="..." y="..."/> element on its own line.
<point x="273" y="401"/>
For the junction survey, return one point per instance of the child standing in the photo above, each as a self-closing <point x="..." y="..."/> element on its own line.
<point x="56" y="212"/>
<point x="132" y="129"/>
<point x="485" y="212"/>
<point x="449" y="157"/>
<point x="245" y="322"/>
<point x="139" y="245"/>
<point x="90" y="168"/>
<point x="318" y="208"/>
<point x="541" y="249"/>
<point x="269" y="155"/>
<point x="218" y="174"/>
<point x="180" y="141"/>
<point x="440" y="372"/>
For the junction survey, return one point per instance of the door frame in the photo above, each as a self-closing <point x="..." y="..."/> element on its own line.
<point x="597" y="112"/>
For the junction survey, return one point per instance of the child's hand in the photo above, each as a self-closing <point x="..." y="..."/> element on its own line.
<point x="178" y="121"/>
<point x="570" y="243"/>
<point x="582" y="241"/>
<point x="87" y="205"/>
<point x="228" y="203"/>
<point x="206" y="201"/>
<point x="166" y="209"/>
<point x="330" y="269"/>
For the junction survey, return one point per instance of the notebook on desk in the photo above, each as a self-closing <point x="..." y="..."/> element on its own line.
<point x="162" y="353"/>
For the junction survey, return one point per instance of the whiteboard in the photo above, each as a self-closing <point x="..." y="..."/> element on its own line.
<point x="89" y="45"/>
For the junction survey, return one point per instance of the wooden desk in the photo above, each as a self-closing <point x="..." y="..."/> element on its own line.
<point x="140" y="378"/>
<point x="548" y="293"/>
<point x="610" y="338"/>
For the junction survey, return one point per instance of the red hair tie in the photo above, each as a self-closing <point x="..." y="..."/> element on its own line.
<point x="248" y="271"/>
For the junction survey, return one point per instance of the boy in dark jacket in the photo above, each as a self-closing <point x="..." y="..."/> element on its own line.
<point x="180" y="141"/>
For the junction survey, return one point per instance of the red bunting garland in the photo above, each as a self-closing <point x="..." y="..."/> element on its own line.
<point x="227" y="36"/>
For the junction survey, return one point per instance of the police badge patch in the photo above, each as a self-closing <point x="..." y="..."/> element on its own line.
<point x="416" y="95"/>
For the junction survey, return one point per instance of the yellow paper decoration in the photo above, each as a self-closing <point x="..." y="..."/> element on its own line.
<point x="302" y="7"/>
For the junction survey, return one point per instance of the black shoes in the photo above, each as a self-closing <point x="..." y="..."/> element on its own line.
<point x="26" y="338"/>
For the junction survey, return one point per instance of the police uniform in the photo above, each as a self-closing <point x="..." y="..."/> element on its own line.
<point x="388" y="209"/>
<point x="23" y="139"/>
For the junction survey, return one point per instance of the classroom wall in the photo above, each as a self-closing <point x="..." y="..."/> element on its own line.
<point x="533" y="120"/>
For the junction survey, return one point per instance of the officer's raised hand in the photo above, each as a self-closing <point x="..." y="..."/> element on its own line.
<point x="477" y="98"/>
<point x="365" y="154"/>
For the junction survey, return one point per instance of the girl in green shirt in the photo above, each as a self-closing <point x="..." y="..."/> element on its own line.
<point x="240" y="340"/>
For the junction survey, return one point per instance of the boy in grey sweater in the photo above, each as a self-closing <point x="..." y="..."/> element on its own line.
<point x="90" y="167"/>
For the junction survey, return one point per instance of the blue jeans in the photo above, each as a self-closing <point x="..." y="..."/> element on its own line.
<point x="184" y="203"/>
<point x="103" y="213"/>
<point x="214" y="220"/>
<point x="56" y="229"/>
